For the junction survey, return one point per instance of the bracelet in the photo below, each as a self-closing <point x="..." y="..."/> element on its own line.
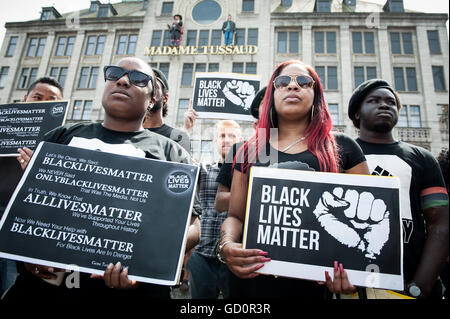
<point x="219" y="249"/>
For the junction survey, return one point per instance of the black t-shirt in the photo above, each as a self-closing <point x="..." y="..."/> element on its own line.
<point x="350" y="155"/>
<point x="174" y="134"/>
<point x="278" y="287"/>
<point x="418" y="171"/>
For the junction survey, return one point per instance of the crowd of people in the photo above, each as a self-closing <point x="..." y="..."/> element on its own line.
<point x="136" y="99"/>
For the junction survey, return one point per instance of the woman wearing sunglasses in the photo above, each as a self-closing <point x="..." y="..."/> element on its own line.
<point x="295" y="107"/>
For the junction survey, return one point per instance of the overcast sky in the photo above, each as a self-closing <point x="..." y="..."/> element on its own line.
<point x="24" y="10"/>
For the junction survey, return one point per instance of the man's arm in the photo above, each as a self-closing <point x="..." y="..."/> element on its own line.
<point x="435" y="251"/>
<point x="193" y="233"/>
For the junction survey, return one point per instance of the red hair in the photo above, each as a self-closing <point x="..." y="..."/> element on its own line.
<point x="320" y="141"/>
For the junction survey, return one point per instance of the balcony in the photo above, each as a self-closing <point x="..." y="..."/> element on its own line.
<point x="420" y="136"/>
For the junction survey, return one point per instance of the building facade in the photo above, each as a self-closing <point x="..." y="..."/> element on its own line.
<point x="347" y="42"/>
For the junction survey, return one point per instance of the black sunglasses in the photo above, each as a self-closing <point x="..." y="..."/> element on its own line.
<point x="302" y="81"/>
<point x="114" y="73"/>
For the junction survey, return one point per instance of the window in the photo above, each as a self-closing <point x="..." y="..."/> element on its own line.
<point x="286" y="3"/>
<point x="239" y="37"/>
<point x="103" y="12"/>
<point x="359" y="46"/>
<point x="183" y="105"/>
<point x="203" y="38"/>
<point x="207" y="152"/>
<point x="59" y="74"/>
<point x="95" y="45"/>
<point x="88" y="78"/>
<point x="248" y="5"/>
<point x="200" y="67"/>
<point x="36" y="47"/>
<point x="191" y="38"/>
<point x="156" y="38"/>
<point x="250" y="68"/>
<point x="65" y="46"/>
<point x="328" y="77"/>
<point x="438" y="78"/>
<point x="167" y="8"/>
<point x="400" y="74"/>
<point x="206" y="12"/>
<point x="238" y="67"/>
<point x="323" y="6"/>
<point x="126" y="44"/>
<point x="252" y="37"/>
<point x="362" y="74"/>
<point x="213" y="67"/>
<point x="282" y="42"/>
<point x="322" y="46"/>
<point x="216" y="37"/>
<point x="410" y="116"/>
<point x="81" y="110"/>
<point x="27" y="77"/>
<point x="333" y="108"/>
<point x="433" y="42"/>
<point x="3" y="75"/>
<point x="11" y="46"/>
<point x="164" y="68"/>
<point x="396" y="6"/>
<point x="186" y="77"/>
<point x="166" y="40"/>
<point x="287" y="42"/>
<point x="46" y="15"/>
<point x="401" y="43"/>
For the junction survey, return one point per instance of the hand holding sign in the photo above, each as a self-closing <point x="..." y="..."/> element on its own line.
<point x="356" y="220"/>
<point x="240" y="93"/>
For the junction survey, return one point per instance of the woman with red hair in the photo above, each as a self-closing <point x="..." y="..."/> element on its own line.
<point x="293" y="132"/>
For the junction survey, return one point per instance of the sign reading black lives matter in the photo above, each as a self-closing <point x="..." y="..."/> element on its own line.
<point x="24" y="124"/>
<point x="225" y="95"/>
<point x="88" y="208"/>
<point x="307" y="220"/>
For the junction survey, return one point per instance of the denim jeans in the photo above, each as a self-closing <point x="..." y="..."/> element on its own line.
<point x="228" y="37"/>
<point x="207" y="277"/>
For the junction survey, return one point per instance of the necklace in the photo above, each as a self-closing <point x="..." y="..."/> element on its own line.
<point x="295" y="143"/>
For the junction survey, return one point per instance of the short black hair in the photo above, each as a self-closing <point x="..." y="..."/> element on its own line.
<point x="46" y="80"/>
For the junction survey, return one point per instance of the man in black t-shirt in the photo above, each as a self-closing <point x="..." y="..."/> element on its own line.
<point x="374" y="109"/>
<point x="154" y="119"/>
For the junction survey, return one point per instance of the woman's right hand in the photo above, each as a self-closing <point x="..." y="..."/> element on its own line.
<point x="43" y="272"/>
<point x="244" y="262"/>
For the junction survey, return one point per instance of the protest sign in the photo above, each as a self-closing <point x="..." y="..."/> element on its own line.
<point x="225" y="95"/>
<point x="25" y="124"/>
<point x="307" y="220"/>
<point x="88" y="208"/>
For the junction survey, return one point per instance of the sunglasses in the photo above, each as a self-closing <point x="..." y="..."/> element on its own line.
<point x="114" y="73"/>
<point x="302" y="81"/>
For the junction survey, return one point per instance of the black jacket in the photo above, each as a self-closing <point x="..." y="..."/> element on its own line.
<point x="232" y="26"/>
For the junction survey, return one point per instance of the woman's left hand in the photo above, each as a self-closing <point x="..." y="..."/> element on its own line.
<point x="340" y="283"/>
<point x="115" y="277"/>
<point x="24" y="157"/>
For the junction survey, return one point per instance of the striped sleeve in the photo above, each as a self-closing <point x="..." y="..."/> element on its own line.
<point x="434" y="197"/>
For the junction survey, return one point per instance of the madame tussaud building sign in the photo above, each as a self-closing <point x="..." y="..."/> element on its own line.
<point x="196" y="50"/>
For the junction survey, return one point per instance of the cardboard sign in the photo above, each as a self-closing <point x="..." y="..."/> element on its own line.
<point x="25" y="124"/>
<point x="307" y="220"/>
<point x="88" y="208"/>
<point x="225" y="95"/>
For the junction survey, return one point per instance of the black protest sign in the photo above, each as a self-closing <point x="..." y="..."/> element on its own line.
<point x="307" y="220"/>
<point x="88" y="208"/>
<point x="225" y="95"/>
<point x="25" y="124"/>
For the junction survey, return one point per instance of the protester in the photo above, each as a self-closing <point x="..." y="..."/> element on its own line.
<point x="176" y="30"/>
<point x="295" y="105"/>
<point x="43" y="89"/>
<point x="125" y="101"/>
<point x="229" y="29"/>
<point x="209" y="276"/>
<point x="374" y="109"/>
<point x="154" y="119"/>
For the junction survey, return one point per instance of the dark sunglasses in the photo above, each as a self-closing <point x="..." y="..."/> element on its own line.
<point x="302" y="81"/>
<point x="114" y="73"/>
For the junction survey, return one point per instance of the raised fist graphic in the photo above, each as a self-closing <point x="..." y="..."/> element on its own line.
<point x="239" y="93"/>
<point x="356" y="220"/>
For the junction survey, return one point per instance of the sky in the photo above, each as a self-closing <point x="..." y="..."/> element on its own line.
<point x="24" y="10"/>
